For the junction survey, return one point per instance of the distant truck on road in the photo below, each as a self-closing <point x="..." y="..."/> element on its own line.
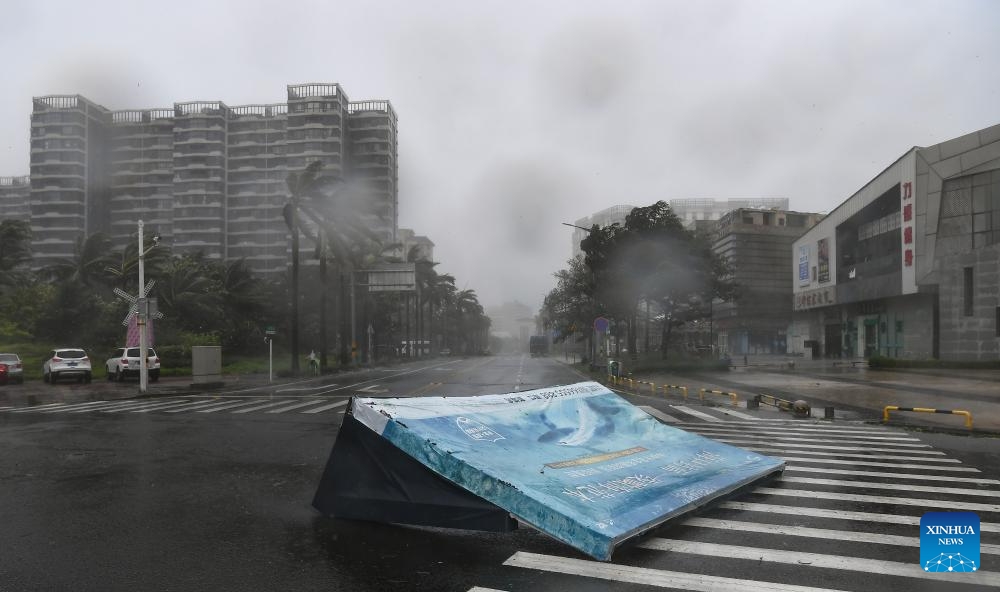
<point x="538" y="345"/>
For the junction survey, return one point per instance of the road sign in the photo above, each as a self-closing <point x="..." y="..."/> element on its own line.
<point x="269" y="330"/>
<point x="601" y="324"/>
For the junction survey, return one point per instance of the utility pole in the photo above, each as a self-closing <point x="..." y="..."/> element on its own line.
<point x="141" y="318"/>
<point x="142" y="310"/>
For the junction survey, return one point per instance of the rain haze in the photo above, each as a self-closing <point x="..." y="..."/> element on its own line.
<point x="515" y="117"/>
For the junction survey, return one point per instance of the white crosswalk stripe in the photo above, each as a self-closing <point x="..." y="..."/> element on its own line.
<point x="817" y="517"/>
<point x="229" y="405"/>
<point x="327" y="407"/>
<point x="694" y="417"/>
<point x="310" y="406"/>
<point x="697" y="413"/>
<point x="821" y="560"/>
<point x="295" y="406"/>
<point x="659" y="414"/>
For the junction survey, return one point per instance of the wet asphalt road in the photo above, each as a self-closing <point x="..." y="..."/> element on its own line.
<point x="213" y="493"/>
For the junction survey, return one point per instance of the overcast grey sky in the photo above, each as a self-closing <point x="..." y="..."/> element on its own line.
<point x="516" y="116"/>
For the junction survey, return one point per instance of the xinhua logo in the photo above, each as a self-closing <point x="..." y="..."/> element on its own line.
<point x="949" y="542"/>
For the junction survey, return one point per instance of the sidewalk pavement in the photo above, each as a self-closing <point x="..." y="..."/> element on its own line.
<point x="854" y="390"/>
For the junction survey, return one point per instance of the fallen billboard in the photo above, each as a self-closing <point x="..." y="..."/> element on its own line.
<point x="577" y="462"/>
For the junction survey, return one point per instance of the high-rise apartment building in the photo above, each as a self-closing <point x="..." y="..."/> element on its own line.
<point x="205" y="176"/>
<point x="69" y="174"/>
<point x="14" y="195"/>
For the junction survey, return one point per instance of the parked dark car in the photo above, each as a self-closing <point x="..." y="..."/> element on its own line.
<point x="11" y="369"/>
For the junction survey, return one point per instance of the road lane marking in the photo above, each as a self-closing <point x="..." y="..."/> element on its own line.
<point x="767" y="449"/>
<point x="800" y="429"/>
<point x="712" y="431"/>
<point x="99" y="406"/>
<point x="296" y="406"/>
<point x="73" y="406"/>
<point x="836" y="514"/>
<point x="480" y="589"/>
<point x="229" y="405"/>
<point x="326" y="407"/>
<point x="890" y="475"/>
<point x="952" y="505"/>
<point x="834" y="461"/>
<point x="162" y="407"/>
<point x="817" y="533"/>
<point x="208" y="406"/>
<point x="658" y="414"/>
<point x="198" y="405"/>
<point x="734" y="413"/>
<point x="110" y="405"/>
<point x="138" y="405"/>
<point x="649" y="577"/>
<point x="171" y="405"/>
<point x="809" y="560"/>
<point x="793" y="445"/>
<point x="305" y="388"/>
<point x="520" y="374"/>
<point x="892" y="486"/>
<point x="38" y="408"/>
<point x="259" y="407"/>
<point x="697" y="413"/>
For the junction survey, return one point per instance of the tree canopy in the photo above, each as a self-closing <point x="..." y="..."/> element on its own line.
<point x="651" y="259"/>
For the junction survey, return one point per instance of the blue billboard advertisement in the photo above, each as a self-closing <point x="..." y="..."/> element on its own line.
<point x="577" y="462"/>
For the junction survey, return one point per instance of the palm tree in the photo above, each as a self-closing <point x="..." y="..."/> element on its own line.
<point x="466" y="305"/>
<point x="189" y="295"/>
<point x="88" y="265"/>
<point x="337" y="218"/>
<point x="243" y="297"/>
<point x="299" y="186"/>
<point x="122" y="272"/>
<point x="15" y="250"/>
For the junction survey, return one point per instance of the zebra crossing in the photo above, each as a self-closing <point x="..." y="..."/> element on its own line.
<point x="845" y="517"/>
<point x="674" y="414"/>
<point x="194" y="405"/>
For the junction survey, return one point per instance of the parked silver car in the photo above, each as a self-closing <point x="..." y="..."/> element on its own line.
<point x="70" y="362"/>
<point x="11" y="369"/>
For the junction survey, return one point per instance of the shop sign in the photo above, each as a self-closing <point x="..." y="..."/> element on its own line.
<point x="815" y="298"/>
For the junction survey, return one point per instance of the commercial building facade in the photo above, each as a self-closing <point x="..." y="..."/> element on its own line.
<point x="757" y="243"/>
<point x="909" y="266"/>
<point x="205" y="176"/>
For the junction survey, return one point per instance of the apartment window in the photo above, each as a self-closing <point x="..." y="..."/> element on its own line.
<point x="967" y="292"/>
<point x="998" y="321"/>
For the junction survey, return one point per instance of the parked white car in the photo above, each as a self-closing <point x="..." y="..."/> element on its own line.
<point x="125" y="362"/>
<point x="69" y="362"/>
